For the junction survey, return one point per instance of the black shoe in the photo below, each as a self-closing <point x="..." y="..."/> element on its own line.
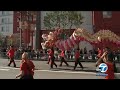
<point x="56" y="66"/>
<point x="82" y="68"/>
<point x="74" y="68"/>
<point x="14" y="65"/>
<point x="51" y="67"/>
<point x="8" y="65"/>
<point x="48" y="62"/>
<point x="60" y="65"/>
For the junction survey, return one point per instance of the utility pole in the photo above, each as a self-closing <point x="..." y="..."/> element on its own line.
<point x="20" y="25"/>
<point x="37" y="31"/>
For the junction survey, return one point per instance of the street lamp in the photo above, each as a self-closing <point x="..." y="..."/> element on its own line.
<point x="37" y="31"/>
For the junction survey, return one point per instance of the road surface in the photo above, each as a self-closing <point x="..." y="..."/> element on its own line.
<point x="43" y="71"/>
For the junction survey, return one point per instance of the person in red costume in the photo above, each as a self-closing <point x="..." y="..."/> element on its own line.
<point x="100" y="52"/>
<point x="10" y="54"/>
<point x="77" y="59"/>
<point x="52" y="58"/>
<point x="48" y="56"/>
<point x="27" y="68"/>
<point x="62" y="56"/>
<point x="107" y="58"/>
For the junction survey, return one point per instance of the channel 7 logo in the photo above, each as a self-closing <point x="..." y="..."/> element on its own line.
<point x="102" y="68"/>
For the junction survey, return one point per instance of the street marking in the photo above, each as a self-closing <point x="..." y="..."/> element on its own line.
<point x="51" y="70"/>
<point x="68" y="72"/>
<point x="75" y="72"/>
<point x="9" y="67"/>
<point x="4" y="69"/>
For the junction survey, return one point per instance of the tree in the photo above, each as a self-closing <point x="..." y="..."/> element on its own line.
<point x="1" y="41"/>
<point x="55" y="19"/>
<point x="63" y="19"/>
<point x="75" y="18"/>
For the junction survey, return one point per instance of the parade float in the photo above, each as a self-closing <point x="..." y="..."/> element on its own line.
<point x="102" y="38"/>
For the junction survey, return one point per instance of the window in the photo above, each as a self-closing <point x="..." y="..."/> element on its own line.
<point x="7" y="12"/>
<point x="2" y="29"/>
<point x="7" y="28"/>
<point x="3" y="21"/>
<point x="8" y="20"/>
<point x="107" y="14"/>
<point x="3" y="12"/>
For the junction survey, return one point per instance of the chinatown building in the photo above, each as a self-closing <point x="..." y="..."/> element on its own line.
<point x="28" y="22"/>
<point x="107" y="20"/>
<point x="93" y="22"/>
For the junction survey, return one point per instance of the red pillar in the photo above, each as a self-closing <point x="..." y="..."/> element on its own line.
<point x="24" y="37"/>
<point x="27" y="37"/>
<point x="32" y="39"/>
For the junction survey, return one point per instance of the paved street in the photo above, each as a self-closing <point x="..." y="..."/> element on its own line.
<point x="43" y="71"/>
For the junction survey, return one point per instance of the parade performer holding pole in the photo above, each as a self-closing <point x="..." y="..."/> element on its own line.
<point x="77" y="59"/>
<point x="52" y="58"/>
<point x="62" y="56"/>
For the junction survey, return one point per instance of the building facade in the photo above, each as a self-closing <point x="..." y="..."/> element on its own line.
<point x="107" y="20"/>
<point x="93" y="22"/>
<point x="6" y="22"/>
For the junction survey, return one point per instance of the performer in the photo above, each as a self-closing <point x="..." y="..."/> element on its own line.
<point x="48" y="56"/>
<point x="108" y="60"/>
<point x="100" y="52"/>
<point x="27" y="68"/>
<point x="10" y="54"/>
<point x="52" y="58"/>
<point x="77" y="59"/>
<point x="62" y="56"/>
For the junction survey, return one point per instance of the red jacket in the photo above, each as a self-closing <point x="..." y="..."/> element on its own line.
<point x="10" y="53"/>
<point x="28" y="68"/>
<point x="51" y="53"/>
<point x="100" y="52"/>
<point x="77" y="54"/>
<point x="48" y="52"/>
<point x="62" y="54"/>
<point x="110" y="71"/>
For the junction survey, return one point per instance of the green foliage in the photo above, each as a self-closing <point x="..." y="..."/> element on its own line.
<point x="63" y="19"/>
